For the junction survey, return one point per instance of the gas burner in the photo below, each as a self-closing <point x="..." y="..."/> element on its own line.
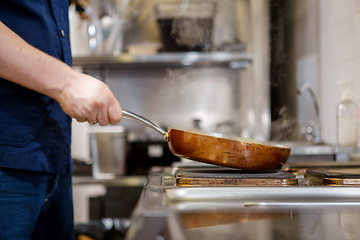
<point x="331" y="176"/>
<point x="215" y="176"/>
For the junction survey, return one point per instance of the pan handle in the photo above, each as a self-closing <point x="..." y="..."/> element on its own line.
<point x="134" y="117"/>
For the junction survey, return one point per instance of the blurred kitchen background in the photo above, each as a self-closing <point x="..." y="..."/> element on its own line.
<point x="260" y="69"/>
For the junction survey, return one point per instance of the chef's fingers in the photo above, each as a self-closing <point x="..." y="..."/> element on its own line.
<point x="80" y="119"/>
<point x="114" y="113"/>
<point x="92" y="119"/>
<point x="80" y="116"/>
<point x="102" y="117"/>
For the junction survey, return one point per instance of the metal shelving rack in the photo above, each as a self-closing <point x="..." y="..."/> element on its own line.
<point x="234" y="60"/>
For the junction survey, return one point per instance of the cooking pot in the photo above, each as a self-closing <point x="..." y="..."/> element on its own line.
<point x="218" y="149"/>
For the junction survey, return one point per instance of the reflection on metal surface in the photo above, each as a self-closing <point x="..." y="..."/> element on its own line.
<point x="212" y="218"/>
<point x="305" y="225"/>
<point x="349" y="221"/>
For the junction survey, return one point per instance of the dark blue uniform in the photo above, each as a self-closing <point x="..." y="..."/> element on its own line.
<point x="35" y="134"/>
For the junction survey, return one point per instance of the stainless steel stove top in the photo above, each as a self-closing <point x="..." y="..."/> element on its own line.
<point x="300" y="210"/>
<point x="219" y="176"/>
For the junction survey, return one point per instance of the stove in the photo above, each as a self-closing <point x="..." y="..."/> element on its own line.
<point x="218" y="176"/>
<point x="299" y="168"/>
<point x="333" y="176"/>
<point x="201" y="201"/>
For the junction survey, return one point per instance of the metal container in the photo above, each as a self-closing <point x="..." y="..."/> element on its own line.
<point x="185" y="25"/>
<point x="108" y="151"/>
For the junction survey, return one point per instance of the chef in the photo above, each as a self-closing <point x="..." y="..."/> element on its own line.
<point x="39" y="95"/>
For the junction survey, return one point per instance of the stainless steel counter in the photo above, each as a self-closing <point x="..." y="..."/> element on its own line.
<point x="304" y="212"/>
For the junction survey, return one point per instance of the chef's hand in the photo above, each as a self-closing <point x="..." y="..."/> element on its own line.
<point x="88" y="99"/>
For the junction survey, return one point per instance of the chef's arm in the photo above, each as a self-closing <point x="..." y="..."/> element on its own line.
<point x="81" y="96"/>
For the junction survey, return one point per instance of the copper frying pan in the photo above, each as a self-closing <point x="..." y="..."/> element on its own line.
<point x="245" y="154"/>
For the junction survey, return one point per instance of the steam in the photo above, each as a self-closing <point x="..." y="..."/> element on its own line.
<point x="192" y="32"/>
<point x="286" y="128"/>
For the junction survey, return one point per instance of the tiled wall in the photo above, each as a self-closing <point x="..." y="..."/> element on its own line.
<point x="327" y="43"/>
<point x="339" y="56"/>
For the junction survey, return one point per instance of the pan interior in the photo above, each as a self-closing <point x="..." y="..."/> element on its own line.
<point x="235" y="138"/>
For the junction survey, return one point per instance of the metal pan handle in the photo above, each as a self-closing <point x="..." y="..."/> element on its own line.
<point x="134" y="117"/>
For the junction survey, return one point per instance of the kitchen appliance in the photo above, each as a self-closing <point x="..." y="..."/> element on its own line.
<point x="142" y="155"/>
<point x="212" y="206"/>
<point x="336" y="177"/>
<point x="215" y="176"/>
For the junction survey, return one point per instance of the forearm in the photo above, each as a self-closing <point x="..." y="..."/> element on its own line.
<point x="29" y="67"/>
<point x="80" y="96"/>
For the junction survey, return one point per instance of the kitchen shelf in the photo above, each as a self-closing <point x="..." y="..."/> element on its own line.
<point x="234" y="60"/>
<point x="122" y="181"/>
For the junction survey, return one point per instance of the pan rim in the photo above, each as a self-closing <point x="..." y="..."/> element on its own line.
<point x="234" y="138"/>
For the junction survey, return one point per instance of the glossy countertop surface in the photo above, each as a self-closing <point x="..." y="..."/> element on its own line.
<point x="245" y="212"/>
